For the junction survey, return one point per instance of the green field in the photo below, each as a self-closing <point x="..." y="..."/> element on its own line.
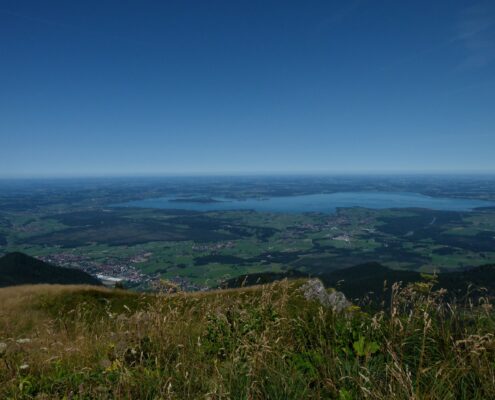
<point x="207" y="248"/>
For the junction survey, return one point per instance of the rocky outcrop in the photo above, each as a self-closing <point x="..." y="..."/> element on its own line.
<point x="314" y="289"/>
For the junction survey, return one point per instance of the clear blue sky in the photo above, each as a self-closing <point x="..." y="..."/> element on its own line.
<point x="165" y="87"/>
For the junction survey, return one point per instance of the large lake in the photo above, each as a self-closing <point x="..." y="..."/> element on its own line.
<point x="326" y="203"/>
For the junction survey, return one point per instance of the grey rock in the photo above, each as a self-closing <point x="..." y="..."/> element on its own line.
<point x="314" y="289"/>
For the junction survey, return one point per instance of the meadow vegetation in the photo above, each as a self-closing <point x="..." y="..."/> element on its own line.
<point x="262" y="342"/>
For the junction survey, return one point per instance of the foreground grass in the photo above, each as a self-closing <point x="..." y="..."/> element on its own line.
<point x="265" y="342"/>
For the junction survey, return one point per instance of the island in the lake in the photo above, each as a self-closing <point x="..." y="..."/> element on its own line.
<point x="202" y="200"/>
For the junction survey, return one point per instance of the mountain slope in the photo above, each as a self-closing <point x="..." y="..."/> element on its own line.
<point x="370" y="279"/>
<point x="261" y="342"/>
<point x="21" y="269"/>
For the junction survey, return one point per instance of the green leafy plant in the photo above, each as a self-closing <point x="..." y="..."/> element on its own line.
<point x="365" y="348"/>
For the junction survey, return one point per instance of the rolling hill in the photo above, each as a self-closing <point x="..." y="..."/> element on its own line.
<point x="21" y="269"/>
<point x="370" y="279"/>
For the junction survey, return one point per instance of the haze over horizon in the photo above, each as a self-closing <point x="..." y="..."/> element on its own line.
<point x="153" y="88"/>
<point x="246" y="174"/>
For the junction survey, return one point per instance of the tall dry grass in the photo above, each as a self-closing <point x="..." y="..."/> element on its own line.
<point x="259" y="343"/>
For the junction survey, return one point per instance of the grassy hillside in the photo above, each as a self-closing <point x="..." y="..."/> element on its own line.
<point x="262" y="342"/>
<point x="21" y="269"/>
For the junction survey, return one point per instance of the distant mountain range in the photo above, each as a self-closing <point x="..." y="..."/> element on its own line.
<point x="21" y="269"/>
<point x="370" y="280"/>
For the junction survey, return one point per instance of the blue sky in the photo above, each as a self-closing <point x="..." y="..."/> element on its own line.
<point x="165" y="87"/>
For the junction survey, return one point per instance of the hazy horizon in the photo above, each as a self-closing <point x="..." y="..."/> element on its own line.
<point x="226" y="174"/>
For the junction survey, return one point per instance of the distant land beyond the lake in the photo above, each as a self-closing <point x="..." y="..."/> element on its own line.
<point x="325" y="203"/>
